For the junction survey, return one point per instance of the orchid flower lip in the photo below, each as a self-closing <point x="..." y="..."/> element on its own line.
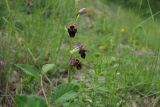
<point x="72" y="29"/>
<point x="76" y="63"/>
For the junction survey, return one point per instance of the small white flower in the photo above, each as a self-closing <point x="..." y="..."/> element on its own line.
<point x="118" y="73"/>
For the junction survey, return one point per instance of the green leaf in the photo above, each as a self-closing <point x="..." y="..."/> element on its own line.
<point x="47" y="67"/>
<point x="73" y="104"/>
<point x="64" y="92"/>
<point x="29" y="101"/>
<point x="67" y="96"/>
<point x="29" y="70"/>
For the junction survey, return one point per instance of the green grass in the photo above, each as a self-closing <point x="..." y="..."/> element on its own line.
<point x="121" y="67"/>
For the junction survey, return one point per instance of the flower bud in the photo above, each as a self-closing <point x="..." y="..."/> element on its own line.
<point x="82" y="11"/>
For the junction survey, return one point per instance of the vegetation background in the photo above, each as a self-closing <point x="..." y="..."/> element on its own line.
<point x="122" y="66"/>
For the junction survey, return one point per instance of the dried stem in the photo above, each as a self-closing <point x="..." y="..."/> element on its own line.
<point x="42" y="88"/>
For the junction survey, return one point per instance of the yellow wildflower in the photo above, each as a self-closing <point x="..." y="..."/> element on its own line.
<point x="102" y="47"/>
<point x="122" y="30"/>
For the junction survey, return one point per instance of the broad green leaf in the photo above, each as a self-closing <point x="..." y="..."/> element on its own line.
<point x="64" y="92"/>
<point x="29" y="101"/>
<point x="73" y="104"/>
<point x="29" y="70"/>
<point x="67" y="96"/>
<point x="47" y="67"/>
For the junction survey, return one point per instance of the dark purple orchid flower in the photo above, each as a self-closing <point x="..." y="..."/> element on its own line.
<point x="72" y="30"/>
<point x="82" y="51"/>
<point x="76" y="63"/>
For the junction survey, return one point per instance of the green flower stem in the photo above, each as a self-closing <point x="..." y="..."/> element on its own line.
<point x="77" y="18"/>
<point x="70" y="70"/>
<point x="69" y="75"/>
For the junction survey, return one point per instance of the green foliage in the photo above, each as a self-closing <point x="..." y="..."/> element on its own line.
<point x="63" y="93"/>
<point x="29" y="101"/>
<point x="29" y="70"/>
<point x="141" y="6"/>
<point x="123" y="58"/>
<point x="47" y="67"/>
<point x="3" y="13"/>
<point x="75" y="104"/>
